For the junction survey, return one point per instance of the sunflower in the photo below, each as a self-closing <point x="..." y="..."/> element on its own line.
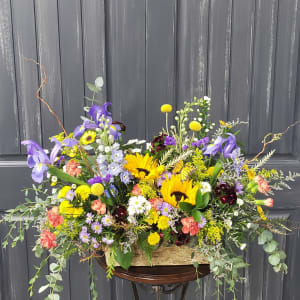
<point x="88" y="137"/>
<point x="174" y="191"/>
<point x="143" y="167"/>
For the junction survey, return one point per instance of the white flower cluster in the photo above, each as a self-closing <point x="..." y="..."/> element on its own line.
<point x="205" y="187"/>
<point x="137" y="205"/>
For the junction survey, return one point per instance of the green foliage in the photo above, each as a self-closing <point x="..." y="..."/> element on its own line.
<point x="124" y="259"/>
<point x="146" y="248"/>
<point x="63" y="176"/>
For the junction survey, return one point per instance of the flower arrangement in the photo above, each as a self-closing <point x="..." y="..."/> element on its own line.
<point x="188" y="187"/>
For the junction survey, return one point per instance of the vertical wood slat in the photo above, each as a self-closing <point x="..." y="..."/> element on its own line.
<point x="93" y="22"/>
<point x="219" y="58"/>
<point x="160" y="59"/>
<point x="47" y="23"/>
<point x="192" y="49"/>
<point x="241" y="63"/>
<point x="9" y="123"/>
<point x="126" y="64"/>
<point x="263" y="72"/>
<point x="285" y="71"/>
<point x="71" y="61"/>
<point x="26" y="71"/>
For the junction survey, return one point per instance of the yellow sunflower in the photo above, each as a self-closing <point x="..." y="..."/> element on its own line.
<point x="174" y="191"/>
<point x="143" y="167"/>
<point x="88" y="137"/>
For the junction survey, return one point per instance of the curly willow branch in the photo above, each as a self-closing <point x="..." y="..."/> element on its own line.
<point x="273" y="137"/>
<point x="43" y="83"/>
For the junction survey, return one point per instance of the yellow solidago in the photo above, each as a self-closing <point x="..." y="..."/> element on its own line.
<point x="251" y="174"/>
<point x="268" y="173"/>
<point x="178" y="167"/>
<point x="224" y="124"/>
<point x="163" y="222"/>
<point x="152" y="217"/>
<point x="261" y="213"/>
<point x="153" y="238"/>
<point x="60" y="137"/>
<point x="187" y="171"/>
<point x="214" y="234"/>
<point x="199" y="164"/>
<point x="147" y="189"/>
<point x="83" y="191"/>
<point x="70" y="151"/>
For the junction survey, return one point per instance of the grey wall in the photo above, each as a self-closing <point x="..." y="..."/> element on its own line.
<point x="242" y="53"/>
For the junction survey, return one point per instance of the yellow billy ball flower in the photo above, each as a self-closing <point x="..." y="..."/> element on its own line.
<point x="153" y="238"/>
<point x="63" y="192"/>
<point x="166" y="108"/>
<point x="195" y="126"/>
<point x="83" y="191"/>
<point x="97" y="189"/>
<point x="163" y="222"/>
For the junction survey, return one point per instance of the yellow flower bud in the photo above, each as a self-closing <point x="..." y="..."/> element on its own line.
<point x="97" y="189"/>
<point x="195" y="126"/>
<point x="165" y="108"/>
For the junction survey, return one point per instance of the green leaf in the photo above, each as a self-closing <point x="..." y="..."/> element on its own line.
<point x="202" y="201"/>
<point x="217" y="170"/>
<point x="124" y="259"/>
<point x="198" y="198"/>
<point x="270" y="246"/>
<point x="274" y="259"/>
<point x="196" y="215"/>
<point x="43" y="288"/>
<point x="143" y="244"/>
<point x="108" y="201"/>
<point x="196" y="264"/>
<point x="92" y="87"/>
<point x="185" y="206"/>
<point x="63" y="176"/>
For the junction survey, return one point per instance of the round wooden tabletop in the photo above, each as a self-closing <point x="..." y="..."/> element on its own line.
<point x="159" y="275"/>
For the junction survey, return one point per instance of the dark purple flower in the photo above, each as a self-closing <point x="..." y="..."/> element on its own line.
<point x="170" y="141"/>
<point x="96" y="179"/>
<point x="60" y="160"/>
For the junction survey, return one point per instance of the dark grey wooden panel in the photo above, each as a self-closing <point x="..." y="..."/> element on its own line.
<point x="71" y="61"/>
<point x="9" y="126"/>
<point x="241" y="63"/>
<point x="93" y="22"/>
<point x="126" y="64"/>
<point x="160" y="59"/>
<point x="286" y="67"/>
<point x="219" y="58"/>
<point x="263" y="72"/>
<point x="49" y="56"/>
<point x="192" y="49"/>
<point x="24" y="30"/>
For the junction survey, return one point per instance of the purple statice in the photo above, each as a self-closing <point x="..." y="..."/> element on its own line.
<point x="164" y="176"/>
<point x="165" y="209"/>
<point x="169" y="141"/>
<point x="97" y="227"/>
<point x="117" y="155"/>
<point x="70" y="195"/>
<point x="114" y="169"/>
<point x="107" y="178"/>
<point x="239" y="188"/>
<point x="94" y="180"/>
<point x="202" y="222"/>
<point x="201" y="142"/>
<point x="107" y="240"/>
<point x="184" y="147"/>
<point x="94" y="243"/>
<point x="84" y="235"/>
<point x="107" y="220"/>
<point x="125" y="177"/>
<point x="196" y="144"/>
<point x="89" y="218"/>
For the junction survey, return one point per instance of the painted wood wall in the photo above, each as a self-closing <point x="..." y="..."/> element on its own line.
<point x="241" y="53"/>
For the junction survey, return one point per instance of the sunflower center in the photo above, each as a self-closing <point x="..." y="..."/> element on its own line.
<point x="89" y="137"/>
<point x="179" y="195"/>
<point x="143" y="170"/>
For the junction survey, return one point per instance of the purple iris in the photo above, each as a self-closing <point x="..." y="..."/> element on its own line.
<point x="217" y="147"/>
<point x="114" y="130"/>
<point x="169" y="141"/>
<point x="79" y="130"/>
<point x="229" y="146"/>
<point x="97" y="111"/>
<point x="200" y="142"/>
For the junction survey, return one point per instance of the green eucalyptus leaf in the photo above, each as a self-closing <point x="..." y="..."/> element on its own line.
<point x="185" y="206"/>
<point x="274" y="259"/>
<point x="264" y="237"/>
<point x="43" y="288"/>
<point x="270" y="246"/>
<point x="282" y="254"/>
